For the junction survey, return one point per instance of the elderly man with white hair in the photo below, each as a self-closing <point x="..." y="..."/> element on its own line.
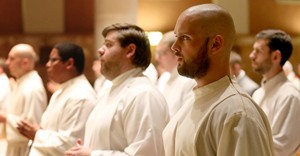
<point x="240" y="75"/>
<point x="27" y="101"/>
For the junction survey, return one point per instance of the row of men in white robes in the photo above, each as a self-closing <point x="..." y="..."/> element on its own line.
<point x="131" y="113"/>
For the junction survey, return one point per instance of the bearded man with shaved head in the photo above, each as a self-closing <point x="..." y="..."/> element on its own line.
<point x="223" y="120"/>
<point x="27" y="101"/>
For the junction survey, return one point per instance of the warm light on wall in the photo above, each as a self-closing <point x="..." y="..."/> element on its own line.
<point x="154" y="37"/>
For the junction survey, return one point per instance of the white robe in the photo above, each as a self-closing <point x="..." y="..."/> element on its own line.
<point x="176" y="89"/>
<point x="4" y="93"/>
<point x="4" y="90"/>
<point x="151" y="73"/>
<point x="222" y="121"/>
<point x="64" y="120"/>
<point x="280" y="100"/>
<point x="129" y="119"/>
<point x="28" y="101"/>
<point x="100" y="85"/>
<point x="246" y="83"/>
<point x="294" y="79"/>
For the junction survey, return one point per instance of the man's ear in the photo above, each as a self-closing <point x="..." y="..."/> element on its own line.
<point x="217" y="42"/>
<point x="25" y="61"/>
<point x="70" y="63"/>
<point x="131" y="48"/>
<point x="276" y="56"/>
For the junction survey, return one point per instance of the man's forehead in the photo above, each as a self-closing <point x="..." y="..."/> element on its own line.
<point x="188" y="24"/>
<point x="111" y="38"/>
<point x="111" y="34"/>
<point x="261" y="41"/>
<point x="54" y="52"/>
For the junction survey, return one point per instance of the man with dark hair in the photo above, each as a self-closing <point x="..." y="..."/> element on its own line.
<point x="130" y="117"/>
<point x="223" y="120"/>
<point x="69" y="107"/>
<point x="277" y="96"/>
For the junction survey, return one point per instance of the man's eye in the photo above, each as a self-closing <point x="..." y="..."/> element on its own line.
<point x="108" y="44"/>
<point x="183" y="37"/>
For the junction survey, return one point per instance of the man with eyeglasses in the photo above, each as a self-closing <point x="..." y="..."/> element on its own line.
<point x="27" y="101"/>
<point x="64" y="120"/>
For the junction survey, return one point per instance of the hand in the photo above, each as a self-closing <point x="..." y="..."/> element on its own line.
<point x="2" y="117"/>
<point x="27" y="129"/>
<point x="78" y="150"/>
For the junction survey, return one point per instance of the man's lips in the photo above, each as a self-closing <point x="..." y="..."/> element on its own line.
<point x="253" y="63"/>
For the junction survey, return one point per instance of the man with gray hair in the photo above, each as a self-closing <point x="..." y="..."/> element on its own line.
<point x="240" y="75"/>
<point x="176" y="88"/>
<point x="27" y="101"/>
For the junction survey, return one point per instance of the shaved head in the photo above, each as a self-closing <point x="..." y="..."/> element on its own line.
<point x="205" y="36"/>
<point x="210" y="20"/>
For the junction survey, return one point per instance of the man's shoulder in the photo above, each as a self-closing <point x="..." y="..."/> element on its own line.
<point x="141" y="86"/>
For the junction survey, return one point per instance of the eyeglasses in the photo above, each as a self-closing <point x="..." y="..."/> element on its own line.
<point x="54" y="59"/>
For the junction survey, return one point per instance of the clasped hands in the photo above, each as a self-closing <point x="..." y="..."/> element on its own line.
<point x="27" y="129"/>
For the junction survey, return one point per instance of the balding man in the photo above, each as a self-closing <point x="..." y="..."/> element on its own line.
<point x="222" y="120"/>
<point x="28" y="99"/>
<point x="176" y="88"/>
<point x="240" y="75"/>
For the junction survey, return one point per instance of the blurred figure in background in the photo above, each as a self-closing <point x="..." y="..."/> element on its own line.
<point x="4" y="84"/>
<point x="176" y="89"/>
<point x="4" y="93"/>
<point x="28" y="99"/>
<point x="277" y="96"/>
<point x="69" y="107"/>
<point x="240" y="75"/>
<point x="151" y="73"/>
<point x="290" y="74"/>
<point x="298" y="69"/>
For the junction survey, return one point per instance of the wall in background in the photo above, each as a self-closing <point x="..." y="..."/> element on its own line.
<point x="159" y="15"/>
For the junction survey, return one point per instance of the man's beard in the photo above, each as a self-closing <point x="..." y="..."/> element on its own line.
<point x="110" y="70"/>
<point x="264" y="67"/>
<point x="197" y="67"/>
